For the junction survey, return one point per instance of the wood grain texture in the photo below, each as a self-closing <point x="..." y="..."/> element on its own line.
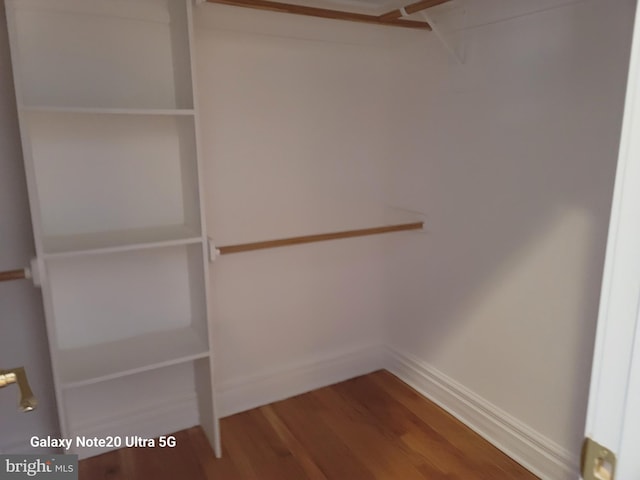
<point x="322" y="237"/>
<point x="367" y="428"/>
<point x="412" y="8"/>
<point x="324" y="13"/>
<point x="13" y="275"/>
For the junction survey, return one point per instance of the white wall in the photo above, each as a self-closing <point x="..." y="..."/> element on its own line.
<point x="22" y="332"/>
<point x="296" y="137"/>
<point x="512" y="156"/>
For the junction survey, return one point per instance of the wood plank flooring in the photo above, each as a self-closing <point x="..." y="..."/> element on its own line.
<point x="370" y="427"/>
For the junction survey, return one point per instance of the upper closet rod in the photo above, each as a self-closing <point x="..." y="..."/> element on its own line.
<point x="391" y="18"/>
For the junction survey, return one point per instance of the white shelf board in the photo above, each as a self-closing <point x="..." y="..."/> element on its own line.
<point x="115" y="53"/>
<point x="109" y="111"/>
<point x="107" y="361"/>
<point x="149" y="11"/>
<point x="119" y="241"/>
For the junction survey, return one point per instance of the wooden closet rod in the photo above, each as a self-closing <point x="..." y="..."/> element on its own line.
<point x="13" y="275"/>
<point x="283" y="242"/>
<point x="393" y="21"/>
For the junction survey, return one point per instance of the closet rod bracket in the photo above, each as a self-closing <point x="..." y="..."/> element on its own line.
<point x="448" y="22"/>
<point x="28" y="273"/>
<point x="214" y="252"/>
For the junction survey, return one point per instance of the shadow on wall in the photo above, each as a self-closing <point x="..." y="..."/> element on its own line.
<point x="513" y="159"/>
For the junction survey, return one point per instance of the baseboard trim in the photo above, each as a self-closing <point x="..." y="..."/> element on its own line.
<point x="169" y="415"/>
<point x="535" y="452"/>
<point x="254" y="391"/>
<point x="531" y="449"/>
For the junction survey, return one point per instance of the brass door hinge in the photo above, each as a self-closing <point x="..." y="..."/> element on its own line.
<point x="598" y="462"/>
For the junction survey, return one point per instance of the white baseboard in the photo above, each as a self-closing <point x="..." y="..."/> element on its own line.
<point x="271" y="386"/>
<point x="531" y="449"/>
<point x="537" y="453"/>
<point x="168" y="415"/>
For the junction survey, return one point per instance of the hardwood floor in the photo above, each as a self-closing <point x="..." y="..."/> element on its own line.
<point x="371" y="427"/>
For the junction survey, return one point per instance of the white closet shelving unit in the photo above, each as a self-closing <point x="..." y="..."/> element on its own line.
<point x="109" y="127"/>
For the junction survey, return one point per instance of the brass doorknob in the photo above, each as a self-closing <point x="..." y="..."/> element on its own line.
<point x="17" y="375"/>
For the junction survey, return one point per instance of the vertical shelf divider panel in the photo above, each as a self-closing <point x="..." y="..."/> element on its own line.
<point x="109" y="125"/>
<point x="204" y="368"/>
